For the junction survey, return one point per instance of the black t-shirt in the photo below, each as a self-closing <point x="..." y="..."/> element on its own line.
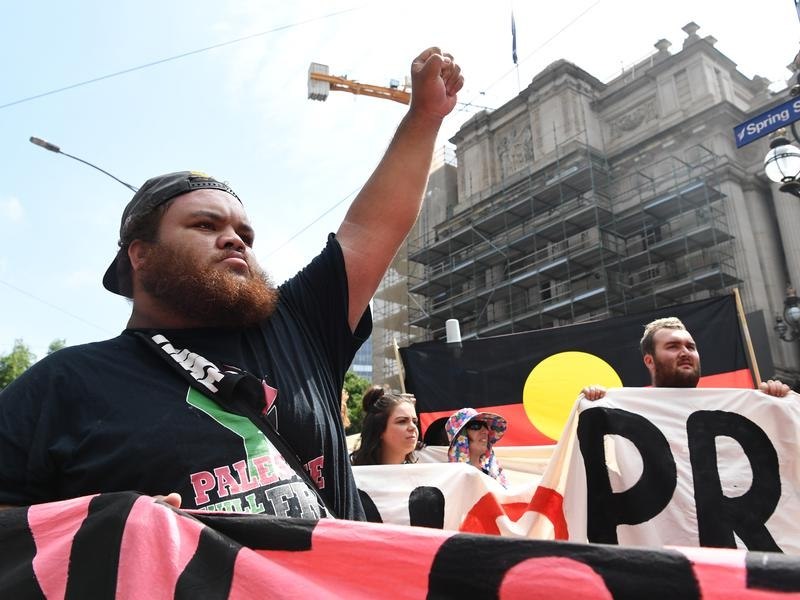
<point x="112" y="415"/>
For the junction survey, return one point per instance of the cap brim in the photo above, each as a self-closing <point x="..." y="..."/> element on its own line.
<point x="110" y="279"/>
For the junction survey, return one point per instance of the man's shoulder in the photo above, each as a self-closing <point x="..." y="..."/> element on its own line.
<point x="330" y="260"/>
<point x="66" y="367"/>
<point x="84" y="357"/>
<point x="82" y="352"/>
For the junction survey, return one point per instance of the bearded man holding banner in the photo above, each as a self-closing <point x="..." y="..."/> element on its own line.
<point x="673" y="360"/>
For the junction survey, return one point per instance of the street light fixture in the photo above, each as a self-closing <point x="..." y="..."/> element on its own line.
<point x="782" y="164"/>
<point x="788" y="326"/>
<point x="53" y="148"/>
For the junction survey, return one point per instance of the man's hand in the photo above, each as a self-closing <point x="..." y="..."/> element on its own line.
<point x="594" y="392"/>
<point x="435" y="82"/>
<point x="775" y="388"/>
<point x="173" y="499"/>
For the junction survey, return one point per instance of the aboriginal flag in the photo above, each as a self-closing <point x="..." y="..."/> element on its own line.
<point x="533" y="378"/>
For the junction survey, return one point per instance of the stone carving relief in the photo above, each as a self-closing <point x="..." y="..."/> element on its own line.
<point x="514" y="149"/>
<point x="634" y="118"/>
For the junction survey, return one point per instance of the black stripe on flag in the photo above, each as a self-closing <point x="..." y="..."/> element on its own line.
<point x="17" y="579"/>
<point x="210" y="571"/>
<point x="94" y="557"/>
<point x="266" y="533"/>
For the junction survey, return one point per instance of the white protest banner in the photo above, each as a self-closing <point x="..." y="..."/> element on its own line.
<point x="686" y="467"/>
<point x="645" y="466"/>
<point x="453" y="496"/>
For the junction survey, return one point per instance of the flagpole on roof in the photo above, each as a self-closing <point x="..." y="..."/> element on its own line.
<point x="514" y="47"/>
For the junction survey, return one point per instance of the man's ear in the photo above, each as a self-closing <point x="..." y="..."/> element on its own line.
<point x="137" y="253"/>
<point x="648" y="361"/>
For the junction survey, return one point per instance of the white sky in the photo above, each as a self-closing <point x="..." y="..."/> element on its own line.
<point x="240" y="113"/>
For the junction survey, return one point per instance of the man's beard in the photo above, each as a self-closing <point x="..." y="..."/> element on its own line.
<point x="668" y="375"/>
<point x="211" y="297"/>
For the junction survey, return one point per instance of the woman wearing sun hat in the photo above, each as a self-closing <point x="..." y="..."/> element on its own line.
<point x="472" y="435"/>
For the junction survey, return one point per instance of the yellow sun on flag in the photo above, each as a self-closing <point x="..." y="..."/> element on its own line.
<point x="554" y="384"/>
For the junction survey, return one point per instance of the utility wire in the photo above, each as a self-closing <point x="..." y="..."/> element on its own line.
<point x="297" y="233"/>
<point x="58" y="308"/>
<point x="176" y="57"/>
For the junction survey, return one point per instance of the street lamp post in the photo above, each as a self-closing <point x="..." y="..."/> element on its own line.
<point x="788" y="326"/>
<point x="53" y="148"/>
<point x="782" y="164"/>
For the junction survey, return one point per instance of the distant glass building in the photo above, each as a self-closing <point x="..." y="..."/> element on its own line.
<point x="362" y="362"/>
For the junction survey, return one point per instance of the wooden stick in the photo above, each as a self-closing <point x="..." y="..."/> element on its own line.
<point x="747" y="342"/>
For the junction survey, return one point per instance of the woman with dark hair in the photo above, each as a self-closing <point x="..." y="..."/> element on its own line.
<point x="389" y="432"/>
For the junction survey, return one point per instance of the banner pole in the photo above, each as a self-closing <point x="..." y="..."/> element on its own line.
<point x="400" y="368"/>
<point x="747" y="342"/>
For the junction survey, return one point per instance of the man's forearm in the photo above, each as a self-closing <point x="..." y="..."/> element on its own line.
<point x="387" y="206"/>
<point x="384" y="211"/>
<point x="393" y="194"/>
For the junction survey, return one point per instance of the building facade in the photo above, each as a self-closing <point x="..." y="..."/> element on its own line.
<point x="580" y="200"/>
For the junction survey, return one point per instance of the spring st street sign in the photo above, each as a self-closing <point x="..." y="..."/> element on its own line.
<point x="767" y="122"/>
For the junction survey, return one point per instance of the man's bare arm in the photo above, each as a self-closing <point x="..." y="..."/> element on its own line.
<point x="384" y="211"/>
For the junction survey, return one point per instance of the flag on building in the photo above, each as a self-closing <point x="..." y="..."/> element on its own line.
<point x="533" y="378"/>
<point x="514" y="37"/>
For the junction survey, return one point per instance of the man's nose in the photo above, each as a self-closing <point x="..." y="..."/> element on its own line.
<point x="230" y="239"/>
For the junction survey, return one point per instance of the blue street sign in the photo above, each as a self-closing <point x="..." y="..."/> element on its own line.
<point x="767" y="122"/>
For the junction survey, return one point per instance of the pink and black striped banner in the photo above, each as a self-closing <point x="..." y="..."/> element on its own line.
<point x="124" y="546"/>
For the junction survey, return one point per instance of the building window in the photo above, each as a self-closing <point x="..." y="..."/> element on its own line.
<point x="682" y="88"/>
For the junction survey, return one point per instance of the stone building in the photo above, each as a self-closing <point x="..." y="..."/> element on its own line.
<point x="580" y="200"/>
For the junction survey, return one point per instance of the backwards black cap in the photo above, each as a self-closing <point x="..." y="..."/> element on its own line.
<point x="155" y="192"/>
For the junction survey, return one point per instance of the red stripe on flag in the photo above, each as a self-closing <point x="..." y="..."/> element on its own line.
<point x="732" y="379"/>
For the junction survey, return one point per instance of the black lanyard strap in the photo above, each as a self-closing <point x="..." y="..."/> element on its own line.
<point x="233" y="390"/>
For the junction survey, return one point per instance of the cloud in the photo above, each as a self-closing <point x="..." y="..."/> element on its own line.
<point x="11" y="209"/>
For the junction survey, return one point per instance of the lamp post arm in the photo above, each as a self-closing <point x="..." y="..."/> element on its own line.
<point x="127" y="185"/>
<point x="53" y="148"/>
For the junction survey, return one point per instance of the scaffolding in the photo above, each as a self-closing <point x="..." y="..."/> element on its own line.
<point x="571" y="243"/>
<point x="390" y="304"/>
